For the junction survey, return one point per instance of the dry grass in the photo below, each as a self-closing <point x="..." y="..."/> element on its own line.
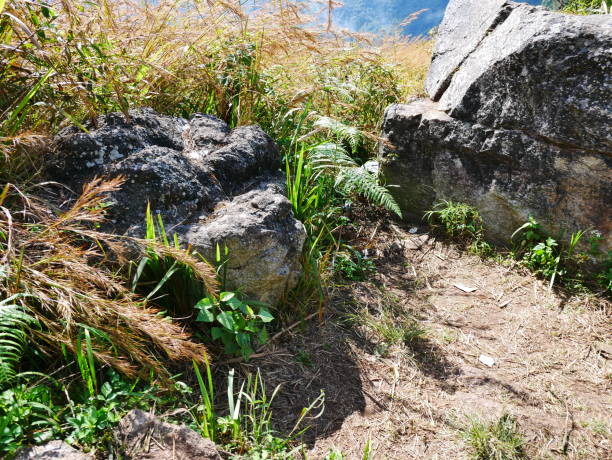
<point x="177" y="56"/>
<point x="63" y="266"/>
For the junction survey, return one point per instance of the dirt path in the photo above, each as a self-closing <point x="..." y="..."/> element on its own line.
<point x="552" y="358"/>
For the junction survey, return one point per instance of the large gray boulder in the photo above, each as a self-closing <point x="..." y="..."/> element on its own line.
<point x="545" y="73"/>
<point x="519" y="122"/>
<point x="211" y="185"/>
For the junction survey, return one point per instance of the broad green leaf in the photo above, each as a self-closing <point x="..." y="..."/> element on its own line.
<point x="205" y="316"/>
<point x="263" y="335"/>
<point x="227" y="296"/>
<point x="216" y="333"/>
<point x="243" y="339"/>
<point x="235" y="304"/>
<point x="227" y="320"/>
<point x="204" y="304"/>
<point x="265" y="315"/>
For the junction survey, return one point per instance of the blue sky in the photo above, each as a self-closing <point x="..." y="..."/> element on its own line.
<point x="385" y="15"/>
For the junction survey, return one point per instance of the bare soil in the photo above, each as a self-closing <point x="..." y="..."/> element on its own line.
<point x="551" y="351"/>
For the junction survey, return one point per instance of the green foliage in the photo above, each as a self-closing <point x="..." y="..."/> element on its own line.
<point x="391" y="325"/>
<point x="350" y="178"/>
<point x="93" y="416"/>
<point x="353" y="265"/>
<point x="161" y="275"/>
<point x="15" y="321"/>
<point x="27" y="414"/>
<point x="335" y="454"/>
<point x="239" y="325"/>
<point x="458" y="220"/>
<point x="357" y="92"/>
<point x="39" y="413"/>
<point x="96" y="409"/>
<point x="557" y="261"/>
<point x="587" y="6"/>
<point x="499" y="440"/>
<point x="541" y="253"/>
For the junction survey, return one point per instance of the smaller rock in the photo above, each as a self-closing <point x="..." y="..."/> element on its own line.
<point x="145" y="437"/>
<point x="54" y="450"/>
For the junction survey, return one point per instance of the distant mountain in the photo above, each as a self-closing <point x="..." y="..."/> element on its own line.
<point x="387" y="15"/>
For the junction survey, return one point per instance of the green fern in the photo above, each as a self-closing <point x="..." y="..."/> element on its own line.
<point x="340" y="131"/>
<point x="351" y="178"/>
<point x="14" y="322"/>
<point x="364" y="183"/>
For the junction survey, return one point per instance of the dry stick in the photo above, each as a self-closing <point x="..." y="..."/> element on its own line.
<point x="569" y="417"/>
<point x="260" y="352"/>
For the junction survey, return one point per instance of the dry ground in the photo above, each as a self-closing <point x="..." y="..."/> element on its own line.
<point x="552" y="358"/>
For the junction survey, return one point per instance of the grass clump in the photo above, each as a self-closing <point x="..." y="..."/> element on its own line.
<point x="457" y="220"/>
<point x="390" y="326"/>
<point x="568" y="263"/>
<point x="60" y="270"/>
<point x="461" y="223"/>
<point x="587" y="6"/>
<point x="498" y="440"/>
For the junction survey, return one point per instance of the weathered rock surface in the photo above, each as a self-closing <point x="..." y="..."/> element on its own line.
<point x="465" y="26"/>
<point x="144" y="437"/>
<point x="211" y="186"/>
<point x="548" y="74"/>
<point x="53" y="450"/>
<point x="523" y="122"/>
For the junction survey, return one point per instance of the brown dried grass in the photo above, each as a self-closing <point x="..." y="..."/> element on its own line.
<point x="65" y="268"/>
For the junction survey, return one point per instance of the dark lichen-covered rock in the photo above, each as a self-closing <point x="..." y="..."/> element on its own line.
<point x="523" y="123"/>
<point x="193" y="173"/>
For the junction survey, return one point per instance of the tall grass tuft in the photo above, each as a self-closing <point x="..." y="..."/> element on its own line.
<point x="64" y="269"/>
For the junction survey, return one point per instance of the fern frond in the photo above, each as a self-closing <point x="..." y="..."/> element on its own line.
<point x="361" y="182"/>
<point x="14" y="322"/>
<point x="340" y="131"/>
<point x="330" y="156"/>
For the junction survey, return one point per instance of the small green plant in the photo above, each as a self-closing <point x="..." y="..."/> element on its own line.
<point x="539" y="252"/>
<point x="458" y="220"/>
<point x="587" y="6"/>
<point x="353" y="265"/>
<point x="350" y="179"/>
<point x="553" y="260"/>
<point x="392" y="326"/>
<point x="238" y="324"/>
<point x="335" y="454"/>
<point x="27" y="414"/>
<point x="247" y="426"/>
<point x="204" y="415"/>
<point x="304" y="357"/>
<point x="99" y="407"/>
<point x="498" y="440"/>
